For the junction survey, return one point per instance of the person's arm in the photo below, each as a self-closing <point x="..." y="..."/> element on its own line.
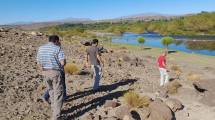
<point x="39" y="66"/>
<point x="61" y="57"/>
<point x="87" y="62"/>
<point x="87" y="59"/>
<point x="99" y="57"/>
<point x="63" y="62"/>
<point x="164" y="62"/>
<point x="158" y="62"/>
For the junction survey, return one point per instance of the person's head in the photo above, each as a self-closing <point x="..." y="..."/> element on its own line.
<point x="54" y="39"/>
<point x="95" y="42"/>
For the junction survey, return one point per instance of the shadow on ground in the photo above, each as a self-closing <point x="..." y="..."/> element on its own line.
<point x="172" y="51"/>
<point x="147" y="48"/>
<point x="82" y="108"/>
<point x="103" y="88"/>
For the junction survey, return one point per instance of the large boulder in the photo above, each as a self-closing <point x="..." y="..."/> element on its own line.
<point x="206" y="89"/>
<point x="173" y="86"/>
<point x="122" y="111"/>
<point x="126" y="58"/>
<point x="174" y="104"/>
<point x="140" y="113"/>
<point x="86" y="43"/>
<point x="102" y="49"/>
<point x="160" y="111"/>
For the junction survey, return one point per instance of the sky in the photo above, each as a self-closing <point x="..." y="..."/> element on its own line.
<point x="12" y="11"/>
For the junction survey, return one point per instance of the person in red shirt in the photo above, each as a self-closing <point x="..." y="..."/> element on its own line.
<point x="164" y="77"/>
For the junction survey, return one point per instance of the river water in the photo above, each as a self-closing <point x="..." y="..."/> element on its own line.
<point x="199" y="44"/>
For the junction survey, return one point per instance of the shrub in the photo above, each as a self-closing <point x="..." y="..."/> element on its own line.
<point x="135" y="100"/>
<point x="123" y="48"/>
<point x="71" y="69"/>
<point x="82" y="49"/>
<point x="173" y="86"/>
<point x="193" y="77"/>
<point x="175" y="68"/>
<point x="166" y="41"/>
<point x="177" y="71"/>
<point x="141" y="40"/>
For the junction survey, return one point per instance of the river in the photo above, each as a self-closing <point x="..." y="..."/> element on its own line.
<point x="198" y="45"/>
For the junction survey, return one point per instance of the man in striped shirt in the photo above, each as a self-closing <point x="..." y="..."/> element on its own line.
<point x="51" y="61"/>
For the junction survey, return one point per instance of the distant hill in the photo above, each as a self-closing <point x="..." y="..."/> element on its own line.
<point x="189" y="24"/>
<point x="144" y="17"/>
<point x="136" y="17"/>
<point x="150" y="16"/>
<point x="38" y="25"/>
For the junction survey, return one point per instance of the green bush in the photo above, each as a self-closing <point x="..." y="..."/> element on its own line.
<point x="141" y="40"/>
<point x="166" y="41"/>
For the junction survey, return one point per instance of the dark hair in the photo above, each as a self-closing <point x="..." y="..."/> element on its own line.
<point x="95" y="41"/>
<point x="53" y="38"/>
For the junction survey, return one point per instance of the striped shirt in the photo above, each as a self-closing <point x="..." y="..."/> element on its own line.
<point x="49" y="56"/>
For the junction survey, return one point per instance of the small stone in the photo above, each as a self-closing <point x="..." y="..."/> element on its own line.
<point x="163" y="93"/>
<point x="110" y="103"/>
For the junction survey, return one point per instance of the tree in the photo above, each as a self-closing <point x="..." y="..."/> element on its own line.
<point x="166" y="41"/>
<point x="141" y="41"/>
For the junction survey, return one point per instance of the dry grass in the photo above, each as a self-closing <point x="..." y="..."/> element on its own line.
<point x="134" y="100"/>
<point x="71" y="69"/>
<point x="175" y="68"/>
<point x="173" y="86"/>
<point x="83" y="49"/>
<point x="177" y="71"/>
<point x="193" y="77"/>
<point x="123" y="48"/>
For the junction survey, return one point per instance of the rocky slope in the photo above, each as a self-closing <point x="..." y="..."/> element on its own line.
<point x="125" y="69"/>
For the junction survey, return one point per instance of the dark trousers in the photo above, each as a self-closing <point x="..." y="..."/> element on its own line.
<point x="46" y="94"/>
<point x="54" y="85"/>
<point x="97" y="74"/>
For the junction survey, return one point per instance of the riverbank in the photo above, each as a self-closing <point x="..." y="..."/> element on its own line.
<point x="184" y="44"/>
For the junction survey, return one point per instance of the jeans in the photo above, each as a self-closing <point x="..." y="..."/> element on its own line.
<point x="164" y="77"/>
<point x="97" y="73"/>
<point x="46" y="94"/>
<point x="55" y="88"/>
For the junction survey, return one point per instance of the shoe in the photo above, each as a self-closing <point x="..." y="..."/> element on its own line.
<point x="62" y="117"/>
<point x="97" y="89"/>
<point x="65" y="98"/>
<point x="46" y="100"/>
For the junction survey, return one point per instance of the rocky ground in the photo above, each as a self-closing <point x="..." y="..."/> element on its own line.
<point x="125" y="69"/>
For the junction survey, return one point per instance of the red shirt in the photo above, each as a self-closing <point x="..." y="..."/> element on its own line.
<point x="162" y="61"/>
